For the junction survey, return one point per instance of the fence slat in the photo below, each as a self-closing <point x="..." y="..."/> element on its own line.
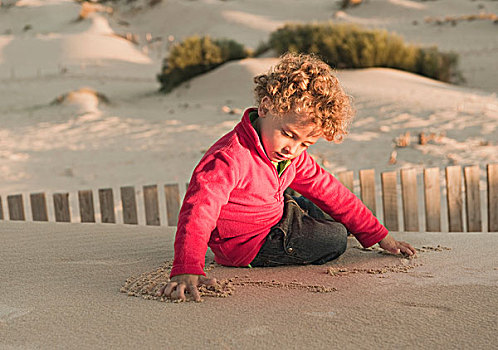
<point x="473" y="198"/>
<point x="454" y="198"/>
<point x="129" y="203"/>
<point x="1" y="209"/>
<point x="390" y="200"/>
<point x="432" y="200"/>
<point x="16" y="207"/>
<point x="151" y="203"/>
<point x="347" y="179"/>
<point x="172" y="193"/>
<point x="107" y="206"/>
<point x="87" y="210"/>
<point x="38" y="206"/>
<point x="492" y="170"/>
<point x="410" y="200"/>
<point x="61" y="207"/>
<point x="367" y="187"/>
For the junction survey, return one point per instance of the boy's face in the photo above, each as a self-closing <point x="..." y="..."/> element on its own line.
<point x="285" y="137"/>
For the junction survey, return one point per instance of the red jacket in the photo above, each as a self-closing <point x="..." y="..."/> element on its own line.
<point x="235" y="196"/>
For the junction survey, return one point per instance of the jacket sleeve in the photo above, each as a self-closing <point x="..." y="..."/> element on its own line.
<point x="209" y="189"/>
<point x="328" y="193"/>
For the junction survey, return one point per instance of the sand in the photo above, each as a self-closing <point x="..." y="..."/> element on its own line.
<point x="110" y="128"/>
<point x="61" y="289"/>
<point x="142" y="137"/>
<point x="148" y="284"/>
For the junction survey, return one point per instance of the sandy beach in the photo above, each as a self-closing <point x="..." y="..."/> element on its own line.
<point x="80" y="109"/>
<point x="62" y="282"/>
<point x="144" y="137"/>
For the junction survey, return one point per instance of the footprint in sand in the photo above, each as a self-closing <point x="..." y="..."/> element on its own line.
<point x="100" y="262"/>
<point x="8" y="313"/>
<point x="426" y="306"/>
<point x="322" y="314"/>
<point x="258" y="331"/>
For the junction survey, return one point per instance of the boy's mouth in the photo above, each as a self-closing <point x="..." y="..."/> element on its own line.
<point x="281" y="157"/>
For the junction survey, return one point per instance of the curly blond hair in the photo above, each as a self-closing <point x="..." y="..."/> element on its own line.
<point x="307" y="86"/>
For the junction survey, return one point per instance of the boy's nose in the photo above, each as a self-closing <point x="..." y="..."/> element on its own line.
<point x="290" y="149"/>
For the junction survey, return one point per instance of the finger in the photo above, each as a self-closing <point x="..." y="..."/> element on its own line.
<point x="194" y="292"/>
<point x="207" y="281"/>
<point x="412" y="249"/>
<point x="169" y="288"/>
<point x="179" y="292"/>
<point x="408" y="248"/>
<point x="160" y="291"/>
<point x="393" y="249"/>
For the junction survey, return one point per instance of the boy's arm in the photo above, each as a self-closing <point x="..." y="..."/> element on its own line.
<point x="335" y="199"/>
<point x="209" y="189"/>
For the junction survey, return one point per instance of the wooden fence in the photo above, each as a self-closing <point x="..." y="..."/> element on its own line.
<point x="463" y="200"/>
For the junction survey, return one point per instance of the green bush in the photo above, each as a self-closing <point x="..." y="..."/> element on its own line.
<point x="196" y="55"/>
<point x="263" y="47"/>
<point x="438" y="65"/>
<point x="350" y="46"/>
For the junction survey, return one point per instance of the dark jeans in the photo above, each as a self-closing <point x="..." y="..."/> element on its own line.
<point x="304" y="235"/>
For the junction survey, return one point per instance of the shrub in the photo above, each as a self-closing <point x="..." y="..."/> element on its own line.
<point x="196" y="55"/>
<point x="351" y="46"/>
<point x="438" y="65"/>
<point x="262" y="48"/>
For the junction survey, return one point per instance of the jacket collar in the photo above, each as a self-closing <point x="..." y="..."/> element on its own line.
<point x="250" y="133"/>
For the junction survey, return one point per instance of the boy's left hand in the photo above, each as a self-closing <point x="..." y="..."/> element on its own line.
<point x="396" y="247"/>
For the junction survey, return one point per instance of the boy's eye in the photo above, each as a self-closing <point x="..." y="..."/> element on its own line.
<point x="285" y="133"/>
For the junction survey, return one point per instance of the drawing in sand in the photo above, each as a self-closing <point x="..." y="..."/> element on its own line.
<point x="100" y="95"/>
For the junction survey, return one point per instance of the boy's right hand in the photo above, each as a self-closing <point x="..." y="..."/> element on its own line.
<point x="175" y="289"/>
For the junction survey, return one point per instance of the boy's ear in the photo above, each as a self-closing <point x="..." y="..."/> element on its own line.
<point x="263" y="107"/>
<point x="261" y="111"/>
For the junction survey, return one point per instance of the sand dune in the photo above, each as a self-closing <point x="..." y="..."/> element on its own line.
<point x="140" y="129"/>
<point x="63" y="281"/>
<point x="475" y="41"/>
<point x="66" y="43"/>
<point x="143" y="137"/>
<point x="98" y="42"/>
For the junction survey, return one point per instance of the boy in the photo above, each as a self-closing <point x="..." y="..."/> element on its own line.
<point x="235" y="202"/>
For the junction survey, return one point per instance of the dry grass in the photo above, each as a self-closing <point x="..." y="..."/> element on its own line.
<point x="88" y="8"/>
<point x="403" y="140"/>
<point x="350" y="3"/>
<point x="469" y="18"/>
<point x="424" y="138"/>
<point x="131" y="37"/>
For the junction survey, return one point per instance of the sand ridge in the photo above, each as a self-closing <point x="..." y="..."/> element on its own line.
<point x="148" y="284"/>
<point x="153" y="138"/>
